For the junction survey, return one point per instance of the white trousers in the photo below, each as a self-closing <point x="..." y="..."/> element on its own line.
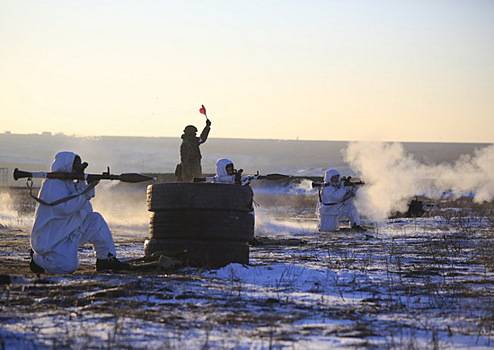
<point x="64" y="258"/>
<point x="329" y="216"/>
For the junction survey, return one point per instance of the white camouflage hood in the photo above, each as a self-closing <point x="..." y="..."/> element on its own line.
<point x="329" y="174"/>
<point x="221" y="165"/>
<point x="63" y="162"/>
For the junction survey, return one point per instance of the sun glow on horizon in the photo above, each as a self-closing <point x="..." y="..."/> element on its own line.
<point x="321" y="70"/>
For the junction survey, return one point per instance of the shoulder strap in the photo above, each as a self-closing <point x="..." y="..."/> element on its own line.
<point x="61" y="200"/>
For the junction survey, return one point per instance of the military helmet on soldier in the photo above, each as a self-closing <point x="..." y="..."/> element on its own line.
<point x="190" y="130"/>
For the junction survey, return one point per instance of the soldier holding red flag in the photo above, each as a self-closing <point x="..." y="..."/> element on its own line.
<point x="190" y="154"/>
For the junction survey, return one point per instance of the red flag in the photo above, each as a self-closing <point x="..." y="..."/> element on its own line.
<point x="202" y="110"/>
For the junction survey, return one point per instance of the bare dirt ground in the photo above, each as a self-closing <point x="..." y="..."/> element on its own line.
<point x="406" y="284"/>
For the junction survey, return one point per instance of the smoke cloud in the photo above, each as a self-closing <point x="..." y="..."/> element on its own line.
<point x="268" y="224"/>
<point x="393" y="176"/>
<point x="9" y="214"/>
<point x="122" y="206"/>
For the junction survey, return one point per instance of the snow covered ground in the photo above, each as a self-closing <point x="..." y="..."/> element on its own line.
<point x="405" y="284"/>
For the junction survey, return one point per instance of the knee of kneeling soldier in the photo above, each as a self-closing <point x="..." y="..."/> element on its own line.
<point x="95" y="217"/>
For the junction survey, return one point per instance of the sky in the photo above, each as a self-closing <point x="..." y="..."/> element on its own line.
<point x="420" y="70"/>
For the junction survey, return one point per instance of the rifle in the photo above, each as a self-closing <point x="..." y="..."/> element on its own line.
<point x="126" y="177"/>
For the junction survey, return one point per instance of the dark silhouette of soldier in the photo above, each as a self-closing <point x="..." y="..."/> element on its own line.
<point x="190" y="154"/>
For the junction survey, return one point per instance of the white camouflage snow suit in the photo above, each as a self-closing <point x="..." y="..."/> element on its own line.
<point x="332" y="206"/>
<point x="59" y="230"/>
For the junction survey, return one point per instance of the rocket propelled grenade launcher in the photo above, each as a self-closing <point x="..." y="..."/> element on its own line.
<point x="317" y="181"/>
<point x="126" y="177"/>
<point x="345" y="181"/>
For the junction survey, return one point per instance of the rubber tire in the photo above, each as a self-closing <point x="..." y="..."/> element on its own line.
<point x="200" y="253"/>
<point x="200" y="196"/>
<point x="202" y="225"/>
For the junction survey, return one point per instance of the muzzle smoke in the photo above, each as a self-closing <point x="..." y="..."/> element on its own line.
<point x="393" y="176"/>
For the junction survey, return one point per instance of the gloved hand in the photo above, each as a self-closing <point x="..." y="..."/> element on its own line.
<point x="238" y="176"/>
<point x="90" y="179"/>
<point x="208" y="122"/>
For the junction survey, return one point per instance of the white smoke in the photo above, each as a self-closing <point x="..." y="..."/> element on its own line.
<point x="9" y="214"/>
<point x="304" y="187"/>
<point x="393" y="176"/>
<point x="122" y="205"/>
<point x="268" y="224"/>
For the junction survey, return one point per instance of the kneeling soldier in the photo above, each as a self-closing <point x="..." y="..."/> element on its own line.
<point x="65" y="220"/>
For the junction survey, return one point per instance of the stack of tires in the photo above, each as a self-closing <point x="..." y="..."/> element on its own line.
<point x="204" y="224"/>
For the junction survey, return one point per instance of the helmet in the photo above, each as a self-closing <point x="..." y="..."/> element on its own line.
<point x="190" y="129"/>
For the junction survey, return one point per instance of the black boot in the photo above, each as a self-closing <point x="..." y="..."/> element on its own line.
<point x="111" y="264"/>
<point x="35" y="268"/>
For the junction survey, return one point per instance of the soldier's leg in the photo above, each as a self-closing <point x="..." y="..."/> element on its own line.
<point x="195" y="170"/>
<point x="328" y="219"/>
<point x="63" y="258"/>
<point x="328" y="223"/>
<point x="349" y="210"/>
<point x="198" y="170"/>
<point x="187" y="172"/>
<point x="95" y="230"/>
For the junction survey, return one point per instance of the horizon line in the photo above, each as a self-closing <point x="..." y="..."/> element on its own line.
<point x="61" y="134"/>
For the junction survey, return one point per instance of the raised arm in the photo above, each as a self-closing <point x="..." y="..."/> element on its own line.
<point x="205" y="132"/>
